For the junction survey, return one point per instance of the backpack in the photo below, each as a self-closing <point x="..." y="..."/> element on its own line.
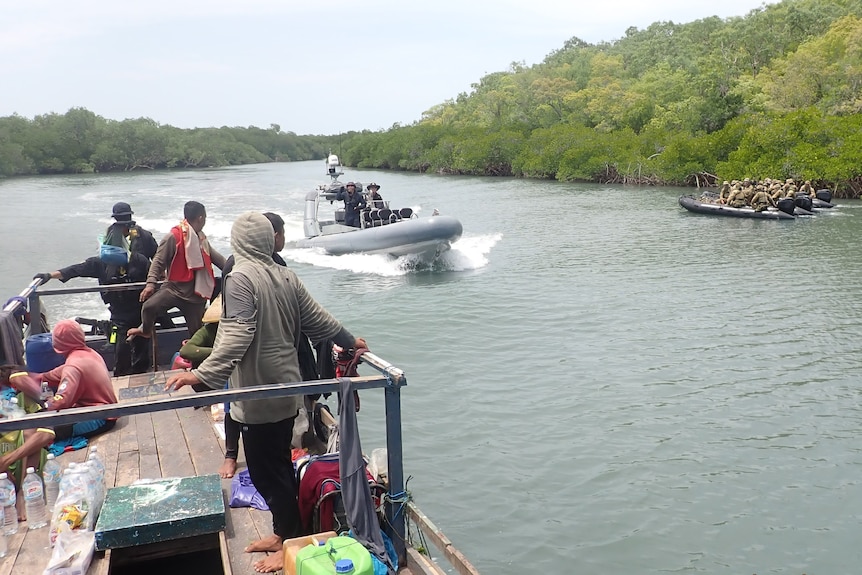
<point x="143" y="242"/>
<point x="321" y="507"/>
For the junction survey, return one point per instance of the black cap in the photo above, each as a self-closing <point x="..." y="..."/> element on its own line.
<point x="122" y="212"/>
<point x="122" y="209"/>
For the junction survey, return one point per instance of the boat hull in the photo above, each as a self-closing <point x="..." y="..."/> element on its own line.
<point x="427" y="237"/>
<point x="692" y="204"/>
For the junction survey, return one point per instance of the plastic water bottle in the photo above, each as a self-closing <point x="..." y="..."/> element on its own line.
<point x="7" y="498"/>
<point x="34" y="499"/>
<point x="51" y="474"/>
<point x="97" y="461"/>
<point x="98" y="471"/>
<point x="15" y="411"/>
<point x="3" y="545"/>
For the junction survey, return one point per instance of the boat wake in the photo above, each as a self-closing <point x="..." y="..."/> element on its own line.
<point x="468" y="253"/>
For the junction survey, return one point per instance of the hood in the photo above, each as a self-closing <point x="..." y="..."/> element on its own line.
<point x="252" y="238"/>
<point x="67" y="336"/>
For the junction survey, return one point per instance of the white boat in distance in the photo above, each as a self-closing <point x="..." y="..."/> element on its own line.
<point x="394" y="232"/>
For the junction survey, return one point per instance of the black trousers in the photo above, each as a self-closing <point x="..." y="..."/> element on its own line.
<point x="231" y="436"/>
<point x="267" y="453"/>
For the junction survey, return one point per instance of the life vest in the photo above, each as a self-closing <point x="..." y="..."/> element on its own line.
<point x="179" y="271"/>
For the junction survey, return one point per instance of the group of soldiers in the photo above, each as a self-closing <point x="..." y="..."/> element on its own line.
<point x="761" y="195"/>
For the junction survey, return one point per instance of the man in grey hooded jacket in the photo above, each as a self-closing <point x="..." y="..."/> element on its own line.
<point x="265" y="308"/>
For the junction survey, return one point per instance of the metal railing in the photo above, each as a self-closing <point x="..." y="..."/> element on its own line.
<point x="390" y="379"/>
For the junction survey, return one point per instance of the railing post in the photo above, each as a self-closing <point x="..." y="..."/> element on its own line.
<point x="35" y="306"/>
<point x="396" y="512"/>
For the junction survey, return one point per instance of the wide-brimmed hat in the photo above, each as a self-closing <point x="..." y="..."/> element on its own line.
<point x="373" y="185"/>
<point x="213" y="312"/>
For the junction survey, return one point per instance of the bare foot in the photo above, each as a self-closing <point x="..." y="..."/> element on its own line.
<point x="270" y="563"/>
<point x="134" y="332"/>
<point x="228" y="468"/>
<point x="270" y="544"/>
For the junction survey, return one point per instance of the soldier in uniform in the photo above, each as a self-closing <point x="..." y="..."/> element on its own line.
<point x="761" y="200"/>
<point x="807" y="189"/>
<point x="737" y="198"/>
<point x="747" y="190"/>
<point x="724" y="193"/>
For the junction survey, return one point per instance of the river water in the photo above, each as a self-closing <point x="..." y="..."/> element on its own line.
<point x="598" y="381"/>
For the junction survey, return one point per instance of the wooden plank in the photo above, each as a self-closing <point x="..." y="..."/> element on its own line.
<point x="34" y="551"/>
<point x="101" y="563"/>
<point x="171" y="446"/>
<point x="148" y="454"/>
<point x="207" y="453"/>
<point x="436" y="536"/>
<point x="128" y="455"/>
<point x="9" y="564"/>
<point x="240" y="531"/>
<point x="225" y="557"/>
<point x="418" y="564"/>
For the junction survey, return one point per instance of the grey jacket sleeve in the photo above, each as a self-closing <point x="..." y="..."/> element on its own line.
<point x="317" y="323"/>
<point x="235" y="333"/>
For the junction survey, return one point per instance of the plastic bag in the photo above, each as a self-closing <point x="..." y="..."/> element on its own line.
<point x="378" y="465"/>
<point x="73" y="552"/>
<point x="113" y="256"/>
<point x="243" y="493"/>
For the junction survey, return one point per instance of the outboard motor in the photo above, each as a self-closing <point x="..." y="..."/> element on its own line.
<point x="803" y="202"/>
<point x="824" y="196"/>
<point x="787" y="205"/>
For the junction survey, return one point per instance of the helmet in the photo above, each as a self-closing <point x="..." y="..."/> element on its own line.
<point x="351" y="184"/>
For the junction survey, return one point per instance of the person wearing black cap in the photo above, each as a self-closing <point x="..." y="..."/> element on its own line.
<point x="136" y="247"/>
<point x="374" y="197"/>
<point x="354" y="203"/>
<point x="140" y="240"/>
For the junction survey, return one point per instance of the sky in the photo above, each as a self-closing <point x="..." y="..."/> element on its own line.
<point x="311" y="67"/>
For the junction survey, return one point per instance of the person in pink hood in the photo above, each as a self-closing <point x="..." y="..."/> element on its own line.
<point x="82" y="381"/>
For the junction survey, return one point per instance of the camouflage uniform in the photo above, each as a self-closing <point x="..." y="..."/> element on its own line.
<point x="761" y="201"/>
<point x="807" y="189"/>
<point x="736" y="199"/>
<point x="776" y="192"/>
<point x="724" y="193"/>
<point x="748" y="191"/>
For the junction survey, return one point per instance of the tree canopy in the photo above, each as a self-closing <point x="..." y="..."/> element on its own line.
<point x="775" y="93"/>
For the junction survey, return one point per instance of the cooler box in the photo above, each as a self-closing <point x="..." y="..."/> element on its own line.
<point x="40" y="355"/>
<point x="322" y="559"/>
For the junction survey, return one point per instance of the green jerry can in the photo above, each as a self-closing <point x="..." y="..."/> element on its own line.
<point x="335" y="556"/>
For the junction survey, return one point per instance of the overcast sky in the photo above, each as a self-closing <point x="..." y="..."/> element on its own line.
<point x="312" y="67"/>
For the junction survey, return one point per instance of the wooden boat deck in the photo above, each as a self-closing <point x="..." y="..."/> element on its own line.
<point x="172" y="443"/>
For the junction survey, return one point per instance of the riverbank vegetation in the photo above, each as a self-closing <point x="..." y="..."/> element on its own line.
<point x="774" y="93"/>
<point x="79" y="141"/>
